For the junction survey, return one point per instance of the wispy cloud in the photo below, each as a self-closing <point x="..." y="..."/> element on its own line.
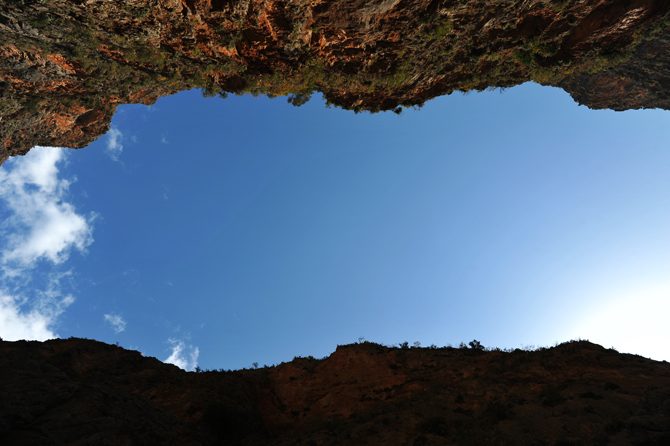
<point x="183" y="356"/>
<point x="39" y="227"/>
<point x="114" y="146"/>
<point x="131" y="276"/>
<point x="116" y="321"/>
<point x="33" y="318"/>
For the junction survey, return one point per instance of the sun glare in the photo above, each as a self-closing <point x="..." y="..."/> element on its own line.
<point x="635" y="322"/>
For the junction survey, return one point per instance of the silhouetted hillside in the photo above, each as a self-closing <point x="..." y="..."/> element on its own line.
<point x="76" y="391"/>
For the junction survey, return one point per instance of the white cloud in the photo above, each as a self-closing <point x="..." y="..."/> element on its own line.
<point x="116" y="321"/>
<point x="38" y="225"/>
<point x="41" y="225"/>
<point x="181" y="357"/>
<point x="114" y="146"/>
<point x="21" y="319"/>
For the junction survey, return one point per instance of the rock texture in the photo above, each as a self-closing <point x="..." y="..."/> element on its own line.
<point x="65" y="65"/>
<point x="78" y="392"/>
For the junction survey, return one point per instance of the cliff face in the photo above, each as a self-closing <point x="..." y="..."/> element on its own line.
<point x="77" y="391"/>
<point x="65" y="65"/>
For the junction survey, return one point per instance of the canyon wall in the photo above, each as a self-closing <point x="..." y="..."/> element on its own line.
<point x="77" y="391"/>
<point x="66" y="65"/>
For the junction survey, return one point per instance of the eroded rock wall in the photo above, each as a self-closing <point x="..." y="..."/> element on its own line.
<point x="66" y="65"/>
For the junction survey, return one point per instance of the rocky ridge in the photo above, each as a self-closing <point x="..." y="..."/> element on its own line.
<point x="77" y="391"/>
<point x="66" y="65"/>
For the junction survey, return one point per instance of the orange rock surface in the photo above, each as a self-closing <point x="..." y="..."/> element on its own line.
<point x="66" y="65"/>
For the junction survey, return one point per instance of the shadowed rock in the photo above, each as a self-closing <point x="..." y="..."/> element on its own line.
<point x="77" y="391"/>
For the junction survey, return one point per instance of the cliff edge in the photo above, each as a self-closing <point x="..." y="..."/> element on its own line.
<point x="66" y="65"/>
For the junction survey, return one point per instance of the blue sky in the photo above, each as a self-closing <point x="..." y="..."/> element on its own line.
<point x="226" y="232"/>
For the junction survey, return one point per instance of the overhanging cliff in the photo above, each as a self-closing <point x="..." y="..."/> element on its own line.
<point x="66" y="65"/>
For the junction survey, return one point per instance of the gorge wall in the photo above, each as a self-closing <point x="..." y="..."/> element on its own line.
<point x="65" y="65"/>
<point x="77" y="391"/>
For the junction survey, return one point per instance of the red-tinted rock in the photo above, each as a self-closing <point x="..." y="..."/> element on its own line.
<point x="76" y="391"/>
<point x="66" y="65"/>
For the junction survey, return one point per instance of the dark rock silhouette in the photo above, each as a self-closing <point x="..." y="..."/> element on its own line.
<point x="77" y="391"/>
<point x="66" y="65"/>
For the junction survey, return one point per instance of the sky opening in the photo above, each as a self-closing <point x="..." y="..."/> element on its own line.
<point x="219" y="233"/>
